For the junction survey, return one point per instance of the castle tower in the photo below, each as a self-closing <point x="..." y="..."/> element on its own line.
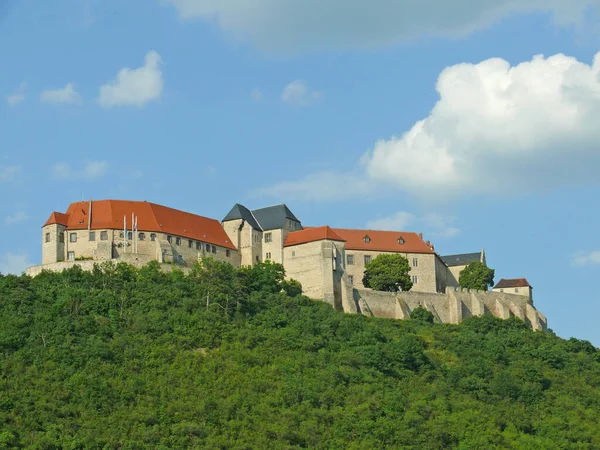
<point x="53" y="240"/>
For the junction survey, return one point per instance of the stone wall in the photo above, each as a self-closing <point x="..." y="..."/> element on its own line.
<point x="452" y="307"/>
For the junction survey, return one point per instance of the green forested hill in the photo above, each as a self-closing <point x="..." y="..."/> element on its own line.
<point x="129" y="359"/>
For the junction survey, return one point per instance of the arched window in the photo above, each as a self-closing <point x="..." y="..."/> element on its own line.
<point x="401" y="240"/>
<point x="367" y="239"/>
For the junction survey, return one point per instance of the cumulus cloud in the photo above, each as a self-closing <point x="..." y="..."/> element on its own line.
<point x="297" y="93"/>
<point x="434" y="224"/>
<point x="18" y="96"/>
<point x="586" y="258"/>
<point x="498" y="128"/>
<point x="291" y="25"/>
<point x="66" y="95"/>
<point x="134" y="87"/>
<point x="90" y="171"/>
<point x="14" y="263"/>
<point x="7" y="173"/>
<point x="19" y="216"/>
<point x="495" y="130"/>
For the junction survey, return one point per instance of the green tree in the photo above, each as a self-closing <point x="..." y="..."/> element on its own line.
<point x="388" y="272"/>
<point x="292" y="288"/>
<point x="421" y="314"/>
<point x="476" y="276"/>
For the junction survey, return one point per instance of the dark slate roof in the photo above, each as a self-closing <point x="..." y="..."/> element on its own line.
<point x="241" y="212"/>
<point x="512" y="282"/>
<point x="270" y="218"/>
<point x="273" y="217"/>
<point x="462" y="259"/>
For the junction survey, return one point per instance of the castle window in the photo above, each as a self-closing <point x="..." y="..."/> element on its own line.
<point x="190" y="243"/>
<point x="178" y="241"/>
<point x="415" y="279"/>
<point x="268" y="256"/>
<point x="415" y="262"/>
<point x="350" y="260"/>
<point x="104" y="235"/>
<point x="198" y="245"/>
<point x="293" y="253"/>
<point x="214" y="249"/>
<point x="92" y="236"/>
<point x="401" y="242"/>
<point x="268" y="237"/>
<point x="367" y="259"/>
<point x="153" y="237"/>
<point x="61" y="237"/>
<point x="170" y="239"/>
<point x="47" y="237"/>
<point x="208" y="248"/>
<point x="130" y="235"/>
<point x="367" y="239"/>
<point x="142" y="236"/>
<point x="257" y="258"/>
<point x="351" y="279"/>
<point x="73" y="237"/>
<point x="228" y="253"/>
<point x="71" y="256"/>
<point x="121" y="235"/>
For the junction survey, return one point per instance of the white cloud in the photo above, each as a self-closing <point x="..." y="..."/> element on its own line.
<point x="134" y="87"/>
<point x="19" y="216"/>
<point x="498" y="128"/>
<point x="66" y="95"/>
<point x="297" y="93"/>
<point x="18" y="96"/>
<point x="14" y="263"/>
<point x="495" y="130"/>
<point x="586" y="258"/>
<point x="319" y="187"/>
<point x="91" y="170"/>
<point x="257" y="95"/>
<point x="398" y="221"/>
<point x="435" y="224"/>
<point x="7" y="173"/>
<point x="95" y="169"/>
<point x="291" y="25"/>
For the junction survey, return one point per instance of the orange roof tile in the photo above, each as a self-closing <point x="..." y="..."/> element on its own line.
<point x="311" y="235"/>
<point x="108" y="214"/>
<point x="512" y="282"/>
<point x="384" y="241"/>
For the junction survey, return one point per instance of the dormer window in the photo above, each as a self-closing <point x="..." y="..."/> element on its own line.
<point x="367" y="239"/>
<point x="401" y="240"/>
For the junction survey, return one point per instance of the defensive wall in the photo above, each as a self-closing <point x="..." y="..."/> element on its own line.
<point x="455" y="305"/>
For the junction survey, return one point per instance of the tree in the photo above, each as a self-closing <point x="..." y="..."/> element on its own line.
<point x="292" y="288"/>
<point x="476" y="276"/>
<point x="388" y="272"/>
<point x="421" y="314"/>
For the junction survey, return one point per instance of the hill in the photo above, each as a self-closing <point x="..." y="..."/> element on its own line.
<point x="126" y="358"/>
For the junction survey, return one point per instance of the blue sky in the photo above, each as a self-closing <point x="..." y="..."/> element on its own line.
<point x="405" y="115"/>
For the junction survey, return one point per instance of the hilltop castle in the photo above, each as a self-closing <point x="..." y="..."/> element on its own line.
<point x="329" y="262"/>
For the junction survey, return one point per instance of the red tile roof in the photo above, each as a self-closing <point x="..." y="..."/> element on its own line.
<point x="384" y="241"/>
<point x="108" y="214"/>
<point x="311" y="235"/>
<point x="512" y="282"/>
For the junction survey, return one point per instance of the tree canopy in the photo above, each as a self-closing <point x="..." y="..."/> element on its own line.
<point x="476" y="276"/>
<point x="388" y="272"/>
<point x="142" y="359"/>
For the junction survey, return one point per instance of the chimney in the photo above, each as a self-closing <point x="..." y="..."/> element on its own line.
<point x="428" y="243"/>
<point x="421" y="236"/>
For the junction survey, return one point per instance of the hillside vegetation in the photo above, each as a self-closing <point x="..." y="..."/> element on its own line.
<point x="126" y="358"/>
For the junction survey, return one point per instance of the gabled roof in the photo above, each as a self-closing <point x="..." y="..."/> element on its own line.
<point x="311" y="235"/>
<point x="384" y="241"/>
<point x="109" y="214"/>
<point x="263" y="219"/>
<point x="462" y="259"/>
<point x="512" y="283"/>
<point x="241" y="212"/>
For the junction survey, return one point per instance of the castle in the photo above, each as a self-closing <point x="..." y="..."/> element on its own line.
<point x="328" y="262"/>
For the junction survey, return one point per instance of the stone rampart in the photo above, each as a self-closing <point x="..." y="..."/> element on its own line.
<point x="452" y="307"/>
